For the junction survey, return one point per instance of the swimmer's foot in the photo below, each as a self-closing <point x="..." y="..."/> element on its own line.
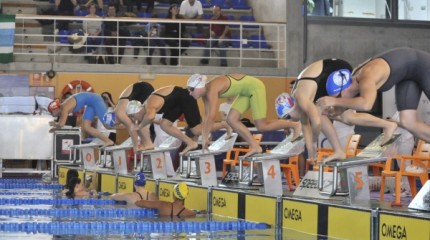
<point x="388" y="132"/>
<point x="107" y="144"/>
<point x="229" y="132"/>
<point x="335" y="156"/>
<point x="253" y="151"/>
<point x="148" y="146"/>
<point x="189" y="147"/>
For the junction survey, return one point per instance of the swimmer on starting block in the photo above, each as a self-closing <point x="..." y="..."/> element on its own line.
<point x="250" y="92"/>
<point x="140" y="194"/>
<point x="328" y="77"/>
<point x="128" y="104"/>
<point x="405" y="68"/>
<point x="174" y="101"/>
<point x="172" y="209"/>
<point x="94" y="106"/>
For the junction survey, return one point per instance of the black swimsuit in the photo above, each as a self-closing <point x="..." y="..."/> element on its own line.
<point x="140" y="92"/>
<point x="410" y="73"/>
<point x="179" y="102"/>
<point x="179" y="213"/>
<point x="140" y="195"/>
<point x="329" y="66"/>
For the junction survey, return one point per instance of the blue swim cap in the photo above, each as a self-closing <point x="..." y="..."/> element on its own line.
<point x="338" y="80"/>
<point x="140" y="180"/>
<point x="109" y="119"/>
<point x="284" y="104"/>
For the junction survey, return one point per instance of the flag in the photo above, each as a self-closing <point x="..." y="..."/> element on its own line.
<point x="7" y="33"/>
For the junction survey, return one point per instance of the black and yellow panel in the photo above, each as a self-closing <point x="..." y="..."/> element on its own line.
<point x="81" y="174"/>
<point x="150" y="185"/>
<point x="108" y="183"/>
<point x="260" y="209"/>
<point x="125" y="184"/>
<point x="197" y="198"/>
<point x="300" y="217"/>
<point x="341" y="219"/>
<point x="402" y="227"/>
<point x="62" y="174"/>
<point x="165" y="191"/>
<point x="225" y="203"/>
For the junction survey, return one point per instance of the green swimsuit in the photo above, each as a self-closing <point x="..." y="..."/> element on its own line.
<point x="250" y="92"/>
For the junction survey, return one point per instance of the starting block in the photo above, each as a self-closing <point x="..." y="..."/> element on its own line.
<point x="269" y="164"/>
<point x="205" y="160"/>
<point x="355" y="169"/>
<point x="88" y="153"/>
<point x="119" y="156"/>
<point x="156" y="156"/>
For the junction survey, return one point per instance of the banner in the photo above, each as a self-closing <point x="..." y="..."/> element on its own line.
<point x="7" y="33"/>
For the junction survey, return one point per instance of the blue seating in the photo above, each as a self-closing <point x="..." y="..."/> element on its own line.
<point x="206" y="3"/>
<point x="81" y="13"/>
<point x="258" y="41"/>
<point x="161" y="15"/>
<point x="199" y="40"/>
<point x="222" y="3"/>
<point x="101" y="13"/>
<point x="144" y="15"/>
<point x="248" y="19"/>
<point x="236" y="41"/>
<point x="239" y="4"/>
<point x="63" y="36"/>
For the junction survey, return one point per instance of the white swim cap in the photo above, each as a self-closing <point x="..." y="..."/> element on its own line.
<point x="284" y="105"/>
<point x="133" y="107"/>
<point x="197" y="81"/>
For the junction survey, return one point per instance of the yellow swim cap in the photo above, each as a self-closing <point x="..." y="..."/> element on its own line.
<point x="180" y="190"/>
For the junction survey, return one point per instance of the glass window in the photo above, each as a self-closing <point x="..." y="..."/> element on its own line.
<point x="350" y="8"/>
<point x="414" y="10"/>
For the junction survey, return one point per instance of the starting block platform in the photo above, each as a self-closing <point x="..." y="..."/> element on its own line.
<point x="88" y="153"/>
<point x="353" y="172"/>
<point x="157" y="157"/>
<point x="205" y="160"/>
<point x="270" y="171"/>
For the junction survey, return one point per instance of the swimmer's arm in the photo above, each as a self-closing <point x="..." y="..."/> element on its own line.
<point x="124" y="119"/>
<point x="310" y="117"/>
<point x="366" y="99"/>
<point x="148" y="118"/>
<point x="154" y="204"/>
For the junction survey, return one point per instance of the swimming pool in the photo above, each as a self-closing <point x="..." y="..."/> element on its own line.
<point x="31" y="210"/>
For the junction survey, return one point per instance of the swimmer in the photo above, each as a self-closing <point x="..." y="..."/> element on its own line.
<point x="251" y="94"/>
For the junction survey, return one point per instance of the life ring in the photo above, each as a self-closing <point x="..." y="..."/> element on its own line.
<point x="74" y="84"/>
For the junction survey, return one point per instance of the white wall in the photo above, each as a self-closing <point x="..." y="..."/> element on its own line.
<point x="276" y="11"/>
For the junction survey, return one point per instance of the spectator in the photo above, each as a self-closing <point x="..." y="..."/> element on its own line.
<point x="112" y="31"/>
<point x="139" y="194"/>
<point x="219" y="37"/>
<point x="153" y="32"/>
<point x="172" y="209"/>
<point x="174" y="34"/>
<point x="93" y="29"/>
<point x="192" y="9"/>
<point x="64" y="8"/>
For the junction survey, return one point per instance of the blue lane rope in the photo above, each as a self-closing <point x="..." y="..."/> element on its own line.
<point x="61" y="201"/>
<point x="82" y="213"/>
<point x="19" y="180"/>
<point x="6" y="185"/>
<point x="127" y="228"/>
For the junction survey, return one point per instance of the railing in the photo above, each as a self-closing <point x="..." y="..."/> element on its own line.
<point x="252" y="44"/>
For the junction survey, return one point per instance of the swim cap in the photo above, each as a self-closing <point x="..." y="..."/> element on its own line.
<point x="54" y="105"/>
<point x="284" y="104"/>
<point x="197" y="81"/>
<point x="133" y="107"/>
<point x="180" y="190"/>
<point x="109" y="119"/>
<point x="139" y="179"/>
<point x="338" y="81"/>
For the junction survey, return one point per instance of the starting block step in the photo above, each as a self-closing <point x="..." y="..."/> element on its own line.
<point x="355" y="169"/>
<point x="205" y="160"/>
<point x="270" y="170"/>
